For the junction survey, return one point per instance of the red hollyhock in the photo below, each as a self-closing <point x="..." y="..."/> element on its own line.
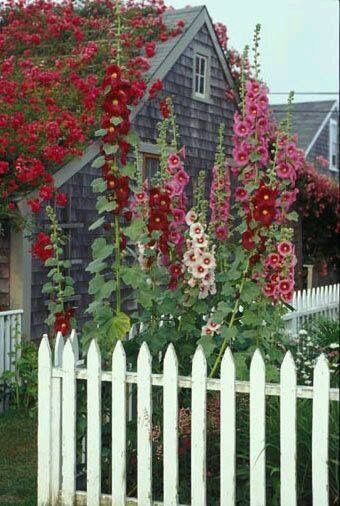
<point x="248" y="240"/>
<point x="155" y="88"/>
<point x="264" y="214"/>
<point x="42" y="248"/>
<point x="61" y="199"/>
<point x="62" y="322"/>
<point x="157" y="221"/>
<point x="35" y="205"/>
<point x="265" y="195"/>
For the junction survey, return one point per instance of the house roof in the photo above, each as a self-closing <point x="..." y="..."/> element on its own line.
<point x="166" y="55"/>
<point x="308" y="119"/>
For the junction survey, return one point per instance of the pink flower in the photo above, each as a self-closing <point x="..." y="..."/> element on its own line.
<point x="285" y="286"/>
<point x="174" y="162"/>
<point x="285" y="170"/>
<point x="241" y="155"/>
<point x="182" y="178"/>
<point x="287" y="297"/>
<point x="285" y="248"/>
<point x="221" y="232"/>
<point x="269" y="289"/>
<point x="141" y="197"/>
<point x="179" y="216"/>
<point x="241" y="128"/>
<point x="241" y="194"/>
<point x="273" y="260"/>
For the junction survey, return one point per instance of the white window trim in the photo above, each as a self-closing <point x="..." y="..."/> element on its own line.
<point x="206" y="94"/>
<point x="332" y="123"/>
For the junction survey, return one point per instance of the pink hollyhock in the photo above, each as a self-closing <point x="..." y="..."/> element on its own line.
<point x="285" y="170"/>
<point x="285" y="248"/>
<point x="269" y="289"/>
<point x="285" y="286"/>
<point x="182" y="178"/>
<point x="241" y="155"/>
<point x="241" y="128"/>
<point x="241" y="194"/>
<point x="273" y="260"/>
<point x="179" y="216"/>
<point x="221" y="232"/>
<point x="174" y="163"/>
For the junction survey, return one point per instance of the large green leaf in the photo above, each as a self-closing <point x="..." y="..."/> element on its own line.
<point x="208" y="344"/>
<point x="120" y="326"/>
<point x="135" y="230"/>
<point x="100" y="249"/>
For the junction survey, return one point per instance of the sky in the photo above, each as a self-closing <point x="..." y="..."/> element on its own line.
<point x="299" y="41"/>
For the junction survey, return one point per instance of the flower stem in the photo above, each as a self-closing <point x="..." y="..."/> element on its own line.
<point x="117" y="264"/>
<point x="231" y="323"/>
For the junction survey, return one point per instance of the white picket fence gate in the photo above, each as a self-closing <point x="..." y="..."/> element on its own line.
<point x="58" y="375"/>
<point x="308" y="304"/>
<point x="10" y="337"/>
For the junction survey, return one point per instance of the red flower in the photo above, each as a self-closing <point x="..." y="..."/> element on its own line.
<point x="265" y="195"/>
<point x="248" y="240"/>
<point x="265" y="214"/>
<point x="42" y="248"/>
<point x="46" y="192"/>
<point x="150" y="49"/>
<point x="164" y="108"/>
<point x="61" y="199"/>
<point x="34" y="205"/>
<point x="62" y="322"/>
<point x="157" y="221"/>
<point x="156" y="87"/>
<point x="3" y="167"/>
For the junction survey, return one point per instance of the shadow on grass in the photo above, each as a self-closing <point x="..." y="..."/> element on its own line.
<point x="18" y="460"/>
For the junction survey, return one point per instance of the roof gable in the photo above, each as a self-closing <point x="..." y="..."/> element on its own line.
<point x="308" y="119"/>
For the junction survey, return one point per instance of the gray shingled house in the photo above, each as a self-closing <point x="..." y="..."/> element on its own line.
<point x="195" y="74"/>
<point x="317" y="126"/>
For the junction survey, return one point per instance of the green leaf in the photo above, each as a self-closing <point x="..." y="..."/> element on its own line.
<point x="110" y="149"/>
<point x="47" y="288"/>
<point x="98" y="223"/>
<point x="228" y="332"/>
<point x="134" y="230"/>
<point x="208" y="344"/>
<point x="66" y="264"/>
<point x="69" y="281"/>
<point x="293" y="216"/>
<point x="96" y="283"/>
<point x="116" y="120"/>
<point x="96" y="266"/>
<point x="98" y="162"/>
<point x="131" y="276"/>
<point x="120" y="326"/>
<point x="133" y="138"/>
<point x="250" y="291"/>
<point x="57" y="277"/>
<point x="50" y="262"/>
<point x="100" y="132"/>
<point x="68" y="291"/>
<point x="128" y="170"/>
<point x="98" y="185"/>
<point x="103" y="204"/>
<point x="107" y="289"/>
<point x="100" y="249"/>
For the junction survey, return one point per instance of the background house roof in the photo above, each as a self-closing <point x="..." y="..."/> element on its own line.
<point x="307" y="119"/>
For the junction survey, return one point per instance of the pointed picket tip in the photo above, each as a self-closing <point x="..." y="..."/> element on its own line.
<point x="228" y="359"/>
<point x="74" y="340"/>
<point x="45" y="349"/>
<point x="118" y="351"/>
<point x="144" y="355"/>
<point x="257" y="358"/>
<point x="199" y="362"/>
<point x="68" y="354"/>
<point x="288" y="362"/>
<point x="93" y="354"/>
<point x="170" y="356"/>
<point x="321" y="363"/>
<point x="58" y="349"/>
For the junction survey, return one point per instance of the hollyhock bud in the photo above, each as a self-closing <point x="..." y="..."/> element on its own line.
<point x="61" y="199"/>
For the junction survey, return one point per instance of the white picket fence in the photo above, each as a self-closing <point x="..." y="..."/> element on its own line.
<point x="58" y="375"/>
<point x="308" y="304"/>
<point x="10" y="337"/>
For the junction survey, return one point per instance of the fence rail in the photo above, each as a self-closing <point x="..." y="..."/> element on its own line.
<point x="10" y="337"/>
<point x="307" y="304"/>
<point x="58" y="375"/>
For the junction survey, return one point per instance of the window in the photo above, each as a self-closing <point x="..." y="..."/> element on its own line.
<point x="201" y="76"/>
<point x="150" y="165"/>
<point x="333" y="145"/>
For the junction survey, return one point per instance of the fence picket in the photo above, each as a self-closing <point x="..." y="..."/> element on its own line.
<point x="257" y="431"/>
<point x="228" y="430"/>
<point x="288" y="431"/>
<point x="56" y="421"/>
<point x="198" y="428"/>
<point x="44" y="422"/>
<point x="320" y="432"/>
<point x="2" y="362"/>
<point x="7" y="346"/>
<point x="170" y="427"/>
<point x="68" y="426"/>
<point x="94" y="416"/>
<point x="118" y="425"/>
<point x="75" y="345"/>
<point x="144" y="427"/>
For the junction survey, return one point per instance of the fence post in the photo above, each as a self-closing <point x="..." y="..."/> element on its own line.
<point x="144" y="427"/>
<point x="257" y="460"/>
<point x="44" y="422"/>
<point x="56" y="421"/>
<point x="94" y="417"/>
<point x="68" y="426"/>
<point x="170" y="427"/>
<point x="228" y="430"/>
<point x="118" y="425"/>
<point x="198" y="428"/>
<point x="288" y="431"/>
<point x="320" y="432"/>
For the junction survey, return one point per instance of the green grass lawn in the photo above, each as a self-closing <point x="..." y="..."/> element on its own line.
<point x="18" y="459"/>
